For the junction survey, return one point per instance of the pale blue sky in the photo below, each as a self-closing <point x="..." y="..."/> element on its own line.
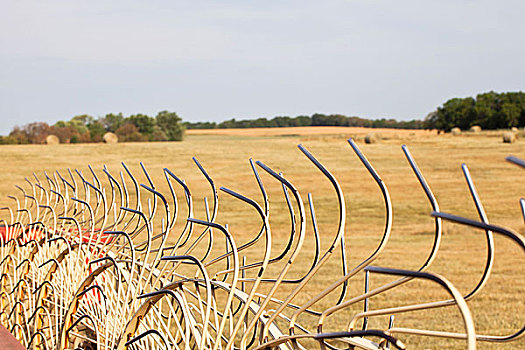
<point x="215" y="60"/>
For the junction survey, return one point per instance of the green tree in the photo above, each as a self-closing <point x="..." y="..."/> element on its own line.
<point x="112" y="121"/>
<point x="143" y="122"/>
<point x="171" y="124"/>
<point x="456" y="112"/>
<point x="96" y="130"/>
<point x="129" y="133"/>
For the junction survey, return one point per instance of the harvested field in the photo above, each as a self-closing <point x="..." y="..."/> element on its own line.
<point x="498" y="309"/>
<point x="301" y="131"/>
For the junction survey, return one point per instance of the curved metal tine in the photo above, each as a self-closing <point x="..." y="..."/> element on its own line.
<point x="316" y="261"/>
<point x="37" y="207"/>
<point x="210" y="239"/>
<point x="516" y="160"/>
<point x="522" y="205"/>
<point x="265" y="260"/>
<point x="104" y="218"/>
<point x="260" y="233"/>
<point x="202" y="268"/>
<point x="164" y="233"/>
<point x="32" y="187"/>
<point x="53" y="188"/>
<point x="42" y="336"/>
<point x="154" y="209"/>
<point x="30" y="219"/>
<point x="13" y="309"/>
<point x="125" y="202"/>
<point x="64" y="202"/>
<point x="342" y="214"/>
<point x="66" y="185"/>
<point x="449" y="287"/>
<point x="95" y="176"/>
<point x="235" y="276"/>
<point x="33" y="231"/>
<point x="433" y="252"/>
<point x="515" y="237"/>
<point x="433" y="202"/>
<point x="147" y="247"/>
<point x="100" y="290"/>
<point x="80" y="319"/>
<point x="154" y="297"/>
<point x="145" y="334"/>
<point x="488" y="234"/>
<point x="87" y="192"/>
<point x="213" y="188"/>
<point x="489" y="261"/>
<point x="287" y="266"/>
<point x="130" y="242"/>
<point x="24" y="194"/>
<point x="210" y="218"/>
<point x="73" y="181"/>
<point x="138" y="205"/>
<point x="188" y="228"/>
<point x="99" y="197"/>
<point x="38" y="182"/>
<point x="23" y="334"/>
<point x="46" y="312"/>
<point x="174" y="198"/>
<point x="92" y="223"/>
<point x="11" y="216"/>
<point x="42" y="192"/>
<point x="378" y="250"/>
<point x="17" y="207"/>
<point x="114" y="183"/>
<point x="320" y="337"/>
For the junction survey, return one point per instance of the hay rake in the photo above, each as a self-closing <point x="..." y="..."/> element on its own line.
<point x="92" y="264"/>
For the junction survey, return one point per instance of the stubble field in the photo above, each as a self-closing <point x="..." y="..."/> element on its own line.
<point x="498" y="309"/>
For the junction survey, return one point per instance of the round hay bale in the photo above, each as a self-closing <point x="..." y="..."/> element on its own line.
<point x="514" y="129"/>
<point x="110" y="137"/>
<point x="509" y="137"/>
<point x="455" y="131"/>
<point x="475" y="128"/>
<point x="373" y="138"/>
<point x="52" y="140"/>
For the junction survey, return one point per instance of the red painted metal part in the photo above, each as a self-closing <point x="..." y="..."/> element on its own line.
<point x="8" y="341"/>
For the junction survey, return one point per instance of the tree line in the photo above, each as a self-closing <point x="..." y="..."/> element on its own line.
<point x="165" y="126"/>
<point x="316" y="119"/>
<point x="490" y="110"/>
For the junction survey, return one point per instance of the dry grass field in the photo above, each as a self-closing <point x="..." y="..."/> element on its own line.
<point x="498" y="309"/>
